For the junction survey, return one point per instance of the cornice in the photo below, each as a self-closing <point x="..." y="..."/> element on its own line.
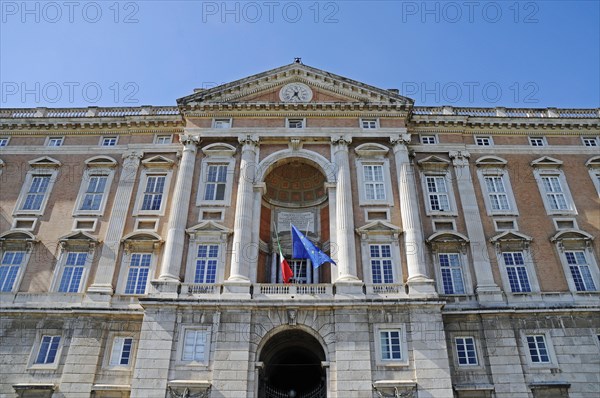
<point x="278" y="109"/>
<point x="96" y="131"/>
<point x="468" y="130"/>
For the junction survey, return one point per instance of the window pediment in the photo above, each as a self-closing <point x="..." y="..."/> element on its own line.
<point x="78" y="240"/>
<point x="209" y="228"/>
<point x="448" y="240"/>
<point x="371" y="150"/>
<point x="219" y="149"/>
<point x="17" y="240"/>
<point x="491" y="161"/>
<point x="45" y="161"/>
<point x="511" y="240"/>
<point x="158" y="161"/>
<point x="572" y="239"/>
<point x="101" y="161"/>
<point x="593" y="163"/>
<point x="434" y="163"/>
<point x="142" y="242"/>
<point x="547" y="162"/>
<point x="379" y="228"/>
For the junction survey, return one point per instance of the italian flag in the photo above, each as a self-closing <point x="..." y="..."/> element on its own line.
<point x="286" y="271"/>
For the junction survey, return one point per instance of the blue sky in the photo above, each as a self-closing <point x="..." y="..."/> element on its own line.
<point x="461" y="53"/>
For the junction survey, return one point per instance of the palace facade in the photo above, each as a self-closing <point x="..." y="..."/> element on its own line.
<point x="140" y="250"/>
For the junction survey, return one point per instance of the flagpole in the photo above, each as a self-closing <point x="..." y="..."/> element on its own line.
<point x="282" y="259"/>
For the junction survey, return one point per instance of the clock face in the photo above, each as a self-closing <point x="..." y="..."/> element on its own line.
<point x="295" y="92"/>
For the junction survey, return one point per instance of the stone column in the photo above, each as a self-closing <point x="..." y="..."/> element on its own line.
<point x="346" y="264"/>
<point x="173" y="251"/>
<point x="110" y="248"/>
<point x="418" y="281"/>
<point x="244" y="209"/>
<point x="486" y="288"/>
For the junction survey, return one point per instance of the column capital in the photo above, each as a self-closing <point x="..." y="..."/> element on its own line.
<point x="250" y="139"/>
<point x="459" y="158"/>
<point x="187" y="139"/>
<point x="132" y="156"/>
<point x="400" y="140"/>
<point x="342" y="140"/>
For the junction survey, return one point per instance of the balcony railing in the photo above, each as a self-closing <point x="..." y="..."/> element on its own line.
<point x="386" y="289"/>
<point x="200" y="289"/>
<point x="317" y="289"/>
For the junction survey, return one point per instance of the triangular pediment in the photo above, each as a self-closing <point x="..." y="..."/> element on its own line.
<point x="546" y="161"/>
<point x="45" y="161"/>
<point x="208" y="227"/>
<point x="158" y="161"/>
<point x="511" y="236"/>
<point x="378" y="228"/>
<point x="265" y="87"/>
<point x="434" y="162"/>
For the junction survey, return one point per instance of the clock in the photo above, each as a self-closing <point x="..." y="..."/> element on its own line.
<point x="295" y="92"/>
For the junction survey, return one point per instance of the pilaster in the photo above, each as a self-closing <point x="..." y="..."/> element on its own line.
<point x="102" y="288"/>
<point x="486" y="288"/>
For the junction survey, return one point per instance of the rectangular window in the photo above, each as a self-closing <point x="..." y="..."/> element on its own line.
<point x="516" y="271"/>
<point x="163" y="139"/>
<point x="537" y="141"/>
<point x="216" y="182"/>
<point x="466" y="351"/>
<point x="109" y="141"/>
<point x="590" y="141"/>
<point x="483" y="141"/>
<point x="554" y="193"/>
<point x="374" y="185"/>
<point x="381" y="263"/>
<point x="497" y="193"/>
<point x="3" y="141"/>
<point x="206" y="264"/>
<point x="580" y="271"/>
<point x="48" y="349"/>
<point x="368" y="123"/>
<point x="121" y="351"/>
<point x="222" y="123"/>
<point x="194" y="345"/>
<point x="295" y="123"/>
<point x="72" y="272"/>
<point x="9" y="270"/>
<point x="437" y="193"/>
<point x="153" y="194"/>
<point x="139" y="269"/>
<point x="37" y="192"/>
<point x="55" y="141"/>
<point x="451" y="269"/>
<point x="428" y="139"/>
<point x="538" y="351"/>
<point x="94" y="192"/>
<point x="391" y="347"/>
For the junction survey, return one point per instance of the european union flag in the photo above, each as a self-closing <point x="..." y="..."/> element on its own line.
<point x="304" y="248"/>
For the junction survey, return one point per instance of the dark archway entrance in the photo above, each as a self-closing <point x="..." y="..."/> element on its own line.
<point x="292" y="366"/>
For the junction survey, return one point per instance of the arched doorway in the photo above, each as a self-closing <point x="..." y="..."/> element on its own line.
<point x="292" y="366"/>
<point x="295" y="194"/>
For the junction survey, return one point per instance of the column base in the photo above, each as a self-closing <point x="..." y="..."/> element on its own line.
<point x="489" y="294"/>
<point x="349" y="287"/>
<point x="233" y="289"/>
<point x="421" y="287"/>
<point x="164" y="288"/>
<point x="98" y="296"/>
